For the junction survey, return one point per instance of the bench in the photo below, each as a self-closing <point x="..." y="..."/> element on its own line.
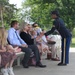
<point x="19" y="56"/>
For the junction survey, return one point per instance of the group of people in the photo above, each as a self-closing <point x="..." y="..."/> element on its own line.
<point x="31" y="40"/>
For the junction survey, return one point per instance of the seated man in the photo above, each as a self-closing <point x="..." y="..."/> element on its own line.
<point x="14" y="39"/>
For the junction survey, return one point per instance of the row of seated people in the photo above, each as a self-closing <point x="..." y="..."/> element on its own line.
<point x="22" y="40"/>
<point x="7" y="52"/>
<point x="31" y="33"/>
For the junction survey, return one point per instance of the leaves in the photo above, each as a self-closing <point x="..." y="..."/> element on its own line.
<point x="8" y="12"/>
<point x="40" y="11"/>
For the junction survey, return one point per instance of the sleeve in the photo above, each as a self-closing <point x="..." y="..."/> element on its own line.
<point x="26" y="38"/>
<point x="50" y="31"/>
<point x="56" y="23"/>
<point x="22" y="41"/>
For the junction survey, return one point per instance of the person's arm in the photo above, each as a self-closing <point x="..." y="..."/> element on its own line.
<point x="50" y="31"/>
<point x="3" y="49"/>
<point x="26" y="37"/>
<point x="22" y="41"/>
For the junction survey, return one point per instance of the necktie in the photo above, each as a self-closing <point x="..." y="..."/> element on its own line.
<point x="18" y="37"/>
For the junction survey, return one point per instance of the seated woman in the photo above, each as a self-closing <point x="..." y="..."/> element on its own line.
<point x="29" y="36"/>
<point x="42" y="42"/>
<point x="26" y="36"/>
<point x="7" y="54"/>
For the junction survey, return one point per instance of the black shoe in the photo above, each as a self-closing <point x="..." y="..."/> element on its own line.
<point x="62" y="64"/>
<point x="25" y="65"/>
<point x="40" y="65"/>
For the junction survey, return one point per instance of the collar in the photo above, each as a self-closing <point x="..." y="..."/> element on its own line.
<point x="13" y="29"/>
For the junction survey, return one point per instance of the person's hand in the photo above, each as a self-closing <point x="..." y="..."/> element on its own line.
<point x="11" y="51"/>
<point x="39" y="36"/>
<point x="17" y="49"/>
<point x="32" y="37"/>
<point x="24" y="45"/>
<point x="4" y="49"/>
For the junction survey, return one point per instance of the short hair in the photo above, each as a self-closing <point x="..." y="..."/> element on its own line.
<point x="33" y="25"/>
<point x="56" y="12"/>
<point x="14" y="22"/>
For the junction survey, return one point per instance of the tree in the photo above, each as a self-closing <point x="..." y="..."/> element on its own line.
<point x="8" y="12"/>
<point x="40" y="11"/>
<point x="68" y="13"/>
<point x="2" y="5"/>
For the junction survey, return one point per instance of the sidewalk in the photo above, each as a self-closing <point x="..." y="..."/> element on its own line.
<point x="72" y="49"/>
<point x="51" y="69"/>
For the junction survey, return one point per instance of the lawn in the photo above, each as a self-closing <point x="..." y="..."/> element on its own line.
<point x="73" y="42"/>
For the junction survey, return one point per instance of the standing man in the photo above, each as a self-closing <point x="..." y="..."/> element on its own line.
<point x="59" y="25"/>
<point x="15" y="39"/>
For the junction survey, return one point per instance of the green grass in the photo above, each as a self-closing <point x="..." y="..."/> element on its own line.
<point x="73" y="42"/>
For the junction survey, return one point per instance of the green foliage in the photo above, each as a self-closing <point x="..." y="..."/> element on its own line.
<point x="9" y="12"/>
<point x="73" y="42"/>
<point x="67" y="11"/>
<point x="73" y="32"/>
<point x="40" y="11"/>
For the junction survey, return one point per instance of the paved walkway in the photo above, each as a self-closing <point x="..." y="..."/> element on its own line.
<point x="51" y="69"/>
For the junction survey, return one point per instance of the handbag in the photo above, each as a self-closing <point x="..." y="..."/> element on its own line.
<point x="51" y="42"/>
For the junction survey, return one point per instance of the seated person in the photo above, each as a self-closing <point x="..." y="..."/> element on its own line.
<point x="29" y="39"/>
<point x="7" y="56"/>
<point x="15" y="39"/>
<point x="37" y="28"/>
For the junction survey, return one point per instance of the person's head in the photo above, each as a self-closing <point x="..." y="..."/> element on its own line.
<point x="27" y="27"/>
<point x="54" y="14"/>
<point x="15" y="24"/>
<point x="35" y="25"/>
<point x="3" y="36"/>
